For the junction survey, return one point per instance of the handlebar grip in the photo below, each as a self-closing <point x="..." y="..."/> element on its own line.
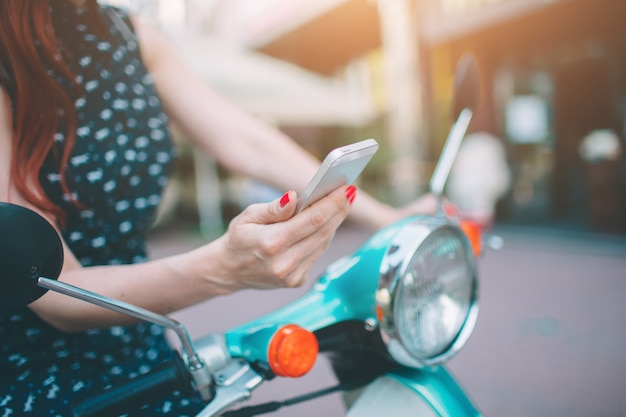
<point x="168" y="377"/>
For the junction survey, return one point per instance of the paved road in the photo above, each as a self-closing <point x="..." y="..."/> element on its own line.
<point x="550" y="339"/>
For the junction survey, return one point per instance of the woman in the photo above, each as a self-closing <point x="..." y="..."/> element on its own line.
<point x="86" y="93"/>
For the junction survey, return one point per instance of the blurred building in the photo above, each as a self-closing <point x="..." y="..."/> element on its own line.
<point x="552" y="72"/>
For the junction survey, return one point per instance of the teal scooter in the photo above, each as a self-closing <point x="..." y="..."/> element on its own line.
<point x="389" y="316"/>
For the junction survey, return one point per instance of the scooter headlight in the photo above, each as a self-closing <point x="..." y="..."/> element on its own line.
<point x="427" y="293"/>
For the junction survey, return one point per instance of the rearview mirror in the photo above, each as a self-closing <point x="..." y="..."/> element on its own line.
<point x="466" y="85"/>
<point x="29" y="248"/>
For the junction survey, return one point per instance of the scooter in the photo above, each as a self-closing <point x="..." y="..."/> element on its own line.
<point x="389" y="316"/>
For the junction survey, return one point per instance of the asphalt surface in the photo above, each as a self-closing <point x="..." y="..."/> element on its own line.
<point x="550" y="338"/>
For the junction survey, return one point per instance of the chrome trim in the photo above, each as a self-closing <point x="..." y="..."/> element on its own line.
<point x="448" y="154"/>
<point x="214" y="352"/>
<point x="394" y="266"/>
<point x="235" y="383"/>
<point x="128" y="310"/>
<point x="197" y="369"/>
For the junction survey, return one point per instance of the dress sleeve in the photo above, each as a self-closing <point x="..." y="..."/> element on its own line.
<point x="121" y="20"/>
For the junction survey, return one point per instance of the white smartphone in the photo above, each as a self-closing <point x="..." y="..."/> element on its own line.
<point x="341" y="166"/>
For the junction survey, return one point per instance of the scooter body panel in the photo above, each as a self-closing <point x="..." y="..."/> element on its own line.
<point x="346" y="291"/>
<point x="439" y="389"/>
<point x="430" y="392"/>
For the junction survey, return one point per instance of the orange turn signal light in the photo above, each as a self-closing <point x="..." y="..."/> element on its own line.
<point x="474" y="234"/>
<point x="292" y="351"/>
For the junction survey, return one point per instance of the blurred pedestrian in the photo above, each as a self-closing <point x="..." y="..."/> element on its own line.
<point x="479" y="178"/>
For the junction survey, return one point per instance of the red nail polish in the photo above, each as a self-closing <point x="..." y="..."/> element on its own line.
<point x="284" y="199"/>
<point x="351" y="193"/>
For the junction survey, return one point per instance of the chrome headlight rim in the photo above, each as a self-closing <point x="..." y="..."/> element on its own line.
<point x="394" y="266"/>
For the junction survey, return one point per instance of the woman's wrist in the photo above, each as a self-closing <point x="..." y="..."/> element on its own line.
<point x="208" y="269"/>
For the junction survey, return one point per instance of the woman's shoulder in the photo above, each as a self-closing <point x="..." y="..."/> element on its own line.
<point x="121" y="19"/>
<point x="153" y="44"/>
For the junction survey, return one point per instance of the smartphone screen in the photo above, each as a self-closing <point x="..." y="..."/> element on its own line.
<point x="342" y="166"/>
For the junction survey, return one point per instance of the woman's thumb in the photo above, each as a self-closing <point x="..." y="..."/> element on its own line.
<point x="278" y="210"/>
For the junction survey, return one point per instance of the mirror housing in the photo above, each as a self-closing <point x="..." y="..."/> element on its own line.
<point x="466" y="85"/>
<point x="31" y="259"/>
<point x="29" y="248"/>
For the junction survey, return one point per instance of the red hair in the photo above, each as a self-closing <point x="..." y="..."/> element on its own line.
<point x="28" y="47"/>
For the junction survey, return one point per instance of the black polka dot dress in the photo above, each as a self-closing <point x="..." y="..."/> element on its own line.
<point x="119" y="165"/>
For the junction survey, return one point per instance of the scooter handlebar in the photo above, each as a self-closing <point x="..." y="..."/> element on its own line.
<point x="168" y="377"/>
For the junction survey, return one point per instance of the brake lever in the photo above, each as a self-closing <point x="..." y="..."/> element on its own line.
<point x="233" y="384"/>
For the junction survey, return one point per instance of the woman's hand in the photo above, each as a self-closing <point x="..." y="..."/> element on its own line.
<point x="425" y="204"/>
<point x="267" y="246"/>
<point x="374" y="214"/>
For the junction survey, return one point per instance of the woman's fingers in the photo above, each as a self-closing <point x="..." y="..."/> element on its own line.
<point x="328" y="213"/>
<point x="311" y="233"/>
<point x="267" y="246"/>
<point x="276" y="211"/>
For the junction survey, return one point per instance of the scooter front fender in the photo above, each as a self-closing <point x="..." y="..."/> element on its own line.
<point x="428" y="392"/>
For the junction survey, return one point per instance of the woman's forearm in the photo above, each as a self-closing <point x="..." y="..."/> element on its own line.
<point x="236" y="139"/>
<point x="161" y="286"/>
<point x="266" y="246"/>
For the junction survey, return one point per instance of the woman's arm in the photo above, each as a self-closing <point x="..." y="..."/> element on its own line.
<point x="237" y="140"/>
<point x="264" y="247"/>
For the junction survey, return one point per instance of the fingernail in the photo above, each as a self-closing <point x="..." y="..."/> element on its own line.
<point x="351" y="193"/>
<point x="284" y="199"/>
